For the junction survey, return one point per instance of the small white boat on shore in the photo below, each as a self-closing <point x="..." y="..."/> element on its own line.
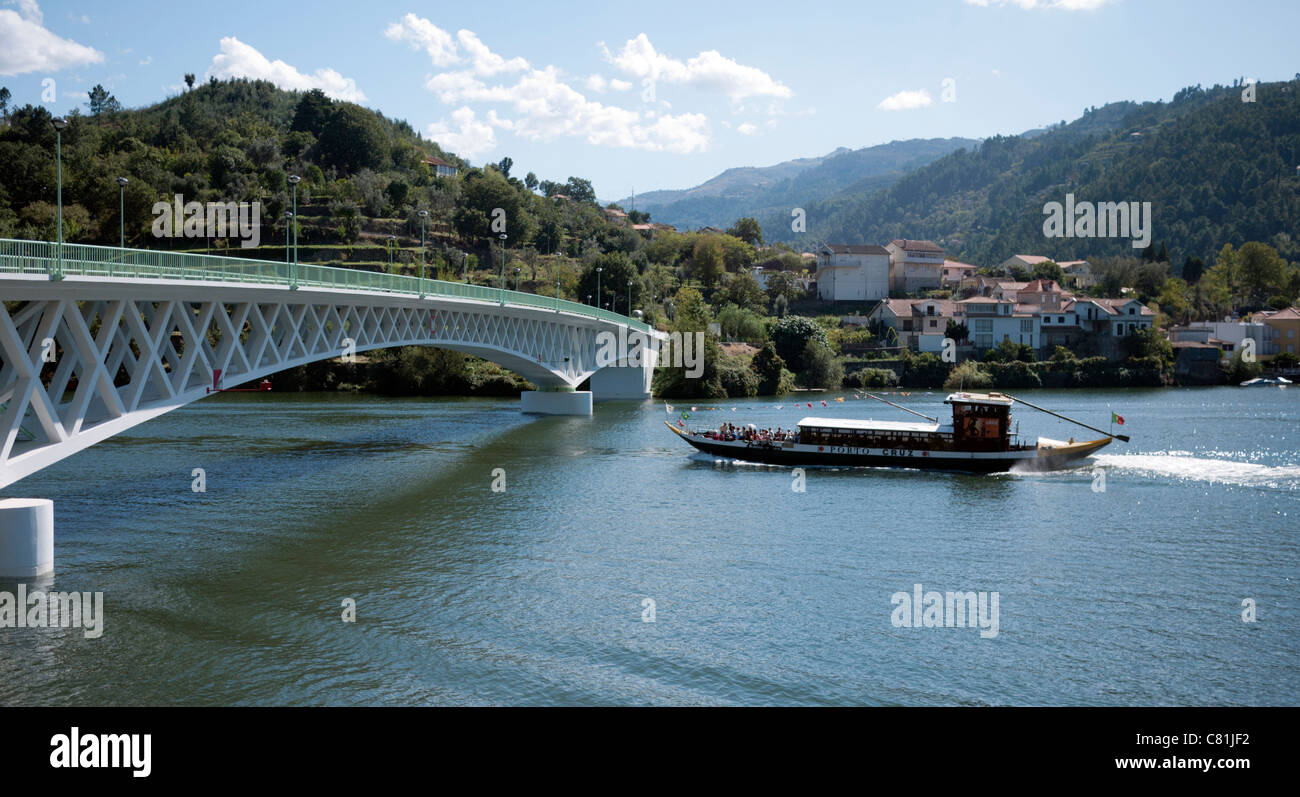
<point x="1266" y="381"/>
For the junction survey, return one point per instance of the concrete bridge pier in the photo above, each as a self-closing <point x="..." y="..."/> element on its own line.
<point x="556" y="401"/>
<point x="26" y="538"/>
<point x="623" y="382"/>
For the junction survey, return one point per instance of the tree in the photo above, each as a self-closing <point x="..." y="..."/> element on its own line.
<point x="956" y="330"/>
<point x="504" y="165"/>
<point x="1048" y="270"/>
<point x="743" y="290"/>
<point x="1193" y="268"/>
<point x="1261" y="271"/>
<point x="820" y="366"/>
<point x="791" y="335"/>
<point x="707" y="263"/>
<point x="4" y="102"/>
<point x="769" y="367"/>
<point x="579" y="190"/>
<point x="483" y="192"/>
<point x="530" y="181"/>
<point x="616" y="270"/>
<point x="101" y="101"/>
<point x="748" y="230"/>
<point x="312" y="112"/>
<point x="353" y="139"/>
<point x="783" y="284"/>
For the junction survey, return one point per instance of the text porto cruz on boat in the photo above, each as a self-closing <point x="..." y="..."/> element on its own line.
<point x="979" y="439"/>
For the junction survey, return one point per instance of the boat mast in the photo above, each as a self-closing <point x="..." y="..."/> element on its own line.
<point x="1123" y="437"/>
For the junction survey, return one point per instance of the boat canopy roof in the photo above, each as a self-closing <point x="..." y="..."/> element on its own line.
<point x="869" y="425"/>
<point x="978" y="398"/>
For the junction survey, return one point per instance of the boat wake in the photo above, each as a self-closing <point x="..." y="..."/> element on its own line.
<point x="1182" y="466"/>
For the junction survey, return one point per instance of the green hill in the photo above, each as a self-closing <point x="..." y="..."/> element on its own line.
<point x="770" y="192"/>
<point x="1216" y="169"/>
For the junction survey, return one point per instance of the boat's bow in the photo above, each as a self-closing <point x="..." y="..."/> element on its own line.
<point x="1055" y="453"/>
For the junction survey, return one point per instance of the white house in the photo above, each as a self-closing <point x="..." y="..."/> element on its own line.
<point x="1078" y="273"/>
<point x="955" y="271"/>
<point x="441" y="168"/>
<point x="1114" y="317"/>
<point x="990" y="321"/>
<point x="851" y="272"/>
<point x="920" y="324"/>
<point x="914" y="265"/>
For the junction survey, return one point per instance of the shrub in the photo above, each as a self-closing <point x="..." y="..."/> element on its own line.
<point x="821" y="368"/>
<point x="968" y="375"/>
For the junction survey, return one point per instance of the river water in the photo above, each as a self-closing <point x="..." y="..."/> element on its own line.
<point x="1120" y="582"/>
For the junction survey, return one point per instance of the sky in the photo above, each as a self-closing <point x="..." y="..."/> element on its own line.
<point x="638" y="97"/>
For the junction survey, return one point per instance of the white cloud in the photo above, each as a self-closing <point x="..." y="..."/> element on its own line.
<point x="465" y="135"/>
<point x="27" y="46"/>
<point x="747" y="129"/>
<point x="537" y="104"/>
<point x="709" y="71"/>
<point x="486" y="62"/>
<point x="906" y="101"/>
<point x="1064" y="5"/>
<point x="237" y="59"/>
<point x="148" y="59"/>
<point x="422" y="33"/>
<point x="445" y="50"/>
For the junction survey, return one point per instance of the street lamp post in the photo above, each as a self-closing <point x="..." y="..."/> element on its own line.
<point x="599" y="296"/>
<point x="424" y="215"/>
<point x="503" y="268"/>
<point x="629" y="297"/>
<point x="59" y="125"/>
<point x="121" y="221"/>
<point x="293" y="267"/>
<point x="392" y="242"/>
<point x="557" y="296"/>
<point x="516" y="280"/>
<point x="288" y="223"/>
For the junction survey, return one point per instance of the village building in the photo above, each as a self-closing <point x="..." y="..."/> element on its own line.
<point x="852" y="272"/>
<point x="914" y="265"/>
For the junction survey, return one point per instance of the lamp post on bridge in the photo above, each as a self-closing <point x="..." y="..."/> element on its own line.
<point x="557" y="296"/>
<point x="288" y="223"/>
<point x="424" y="214"/>
<point x="60" y="124"/>
<point x="599" y="296"/>
<point x="516" y="280"/>
<point x="293" y="267"/>
<point x="392" y="242"/>
<point x="503" y="269"/>
<point x="629" y="298"/>
<point x="121" y="221"/>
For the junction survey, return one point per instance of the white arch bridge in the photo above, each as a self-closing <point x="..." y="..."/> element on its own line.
<point x="95" y="340"/>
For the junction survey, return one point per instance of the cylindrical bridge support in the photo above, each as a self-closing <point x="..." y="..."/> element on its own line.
<point x="26" y="537"/>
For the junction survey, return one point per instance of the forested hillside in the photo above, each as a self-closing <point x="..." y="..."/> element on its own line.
<point x="1216" y="169"/>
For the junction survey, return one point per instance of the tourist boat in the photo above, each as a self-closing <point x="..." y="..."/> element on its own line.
<point x="980" y="439"/>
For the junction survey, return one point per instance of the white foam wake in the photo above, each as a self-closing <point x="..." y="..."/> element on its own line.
<point x="1184" y="467"/>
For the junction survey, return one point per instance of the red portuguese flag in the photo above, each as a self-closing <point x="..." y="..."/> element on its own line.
<point x="1119" y="419"/>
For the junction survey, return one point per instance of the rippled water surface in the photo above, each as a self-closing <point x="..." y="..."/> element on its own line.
<point x="1128" y="595"/>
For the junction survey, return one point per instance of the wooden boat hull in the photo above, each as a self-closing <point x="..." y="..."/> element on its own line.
<point x="1049" y="455"/>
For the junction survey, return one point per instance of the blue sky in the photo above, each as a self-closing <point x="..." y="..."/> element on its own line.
<point x="665" y="95"/>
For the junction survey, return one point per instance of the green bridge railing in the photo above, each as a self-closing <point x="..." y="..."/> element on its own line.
<point x="42" y="257"/>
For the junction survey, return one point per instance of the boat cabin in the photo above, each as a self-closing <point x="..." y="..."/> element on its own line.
<point x="980" y="421"/>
